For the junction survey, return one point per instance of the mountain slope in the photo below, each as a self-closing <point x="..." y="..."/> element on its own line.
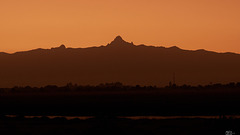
<point x="118" y="61"/>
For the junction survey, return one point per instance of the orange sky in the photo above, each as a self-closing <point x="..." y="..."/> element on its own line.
<point x="189" y="24"/>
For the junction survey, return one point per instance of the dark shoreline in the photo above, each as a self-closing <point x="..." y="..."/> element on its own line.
<point x="105" y="103"/>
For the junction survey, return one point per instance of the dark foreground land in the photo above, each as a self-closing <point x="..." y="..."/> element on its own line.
<point x="107" y="126"/>
<point x="118" y="100"/>
<point x="106" y="102"/>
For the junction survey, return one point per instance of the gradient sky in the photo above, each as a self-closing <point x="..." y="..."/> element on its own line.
<point x="189" y="24"/>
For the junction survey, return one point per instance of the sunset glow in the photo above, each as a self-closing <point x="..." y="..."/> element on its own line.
<point x="199" y="24"/>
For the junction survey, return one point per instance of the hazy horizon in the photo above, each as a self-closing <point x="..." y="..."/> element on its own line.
<point x="66" y="46"/>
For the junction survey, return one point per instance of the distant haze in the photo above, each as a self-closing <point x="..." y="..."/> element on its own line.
<point x="189" y="24"/>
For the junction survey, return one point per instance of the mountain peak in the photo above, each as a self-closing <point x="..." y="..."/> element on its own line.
<point x="118" y="38"/>
<point x="118" y="41"/>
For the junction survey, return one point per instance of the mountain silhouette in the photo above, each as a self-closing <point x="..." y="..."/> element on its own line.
<point x="119" y="61"/>
<point x="119" y="42"/>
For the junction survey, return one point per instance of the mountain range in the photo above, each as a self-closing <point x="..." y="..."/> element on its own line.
<point x="119" y="61"/>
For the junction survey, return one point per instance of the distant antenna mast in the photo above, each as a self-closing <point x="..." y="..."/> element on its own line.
<point x="174" y="78"/>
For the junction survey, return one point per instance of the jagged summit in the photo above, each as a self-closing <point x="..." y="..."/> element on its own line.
<point x="118" y="41"/>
